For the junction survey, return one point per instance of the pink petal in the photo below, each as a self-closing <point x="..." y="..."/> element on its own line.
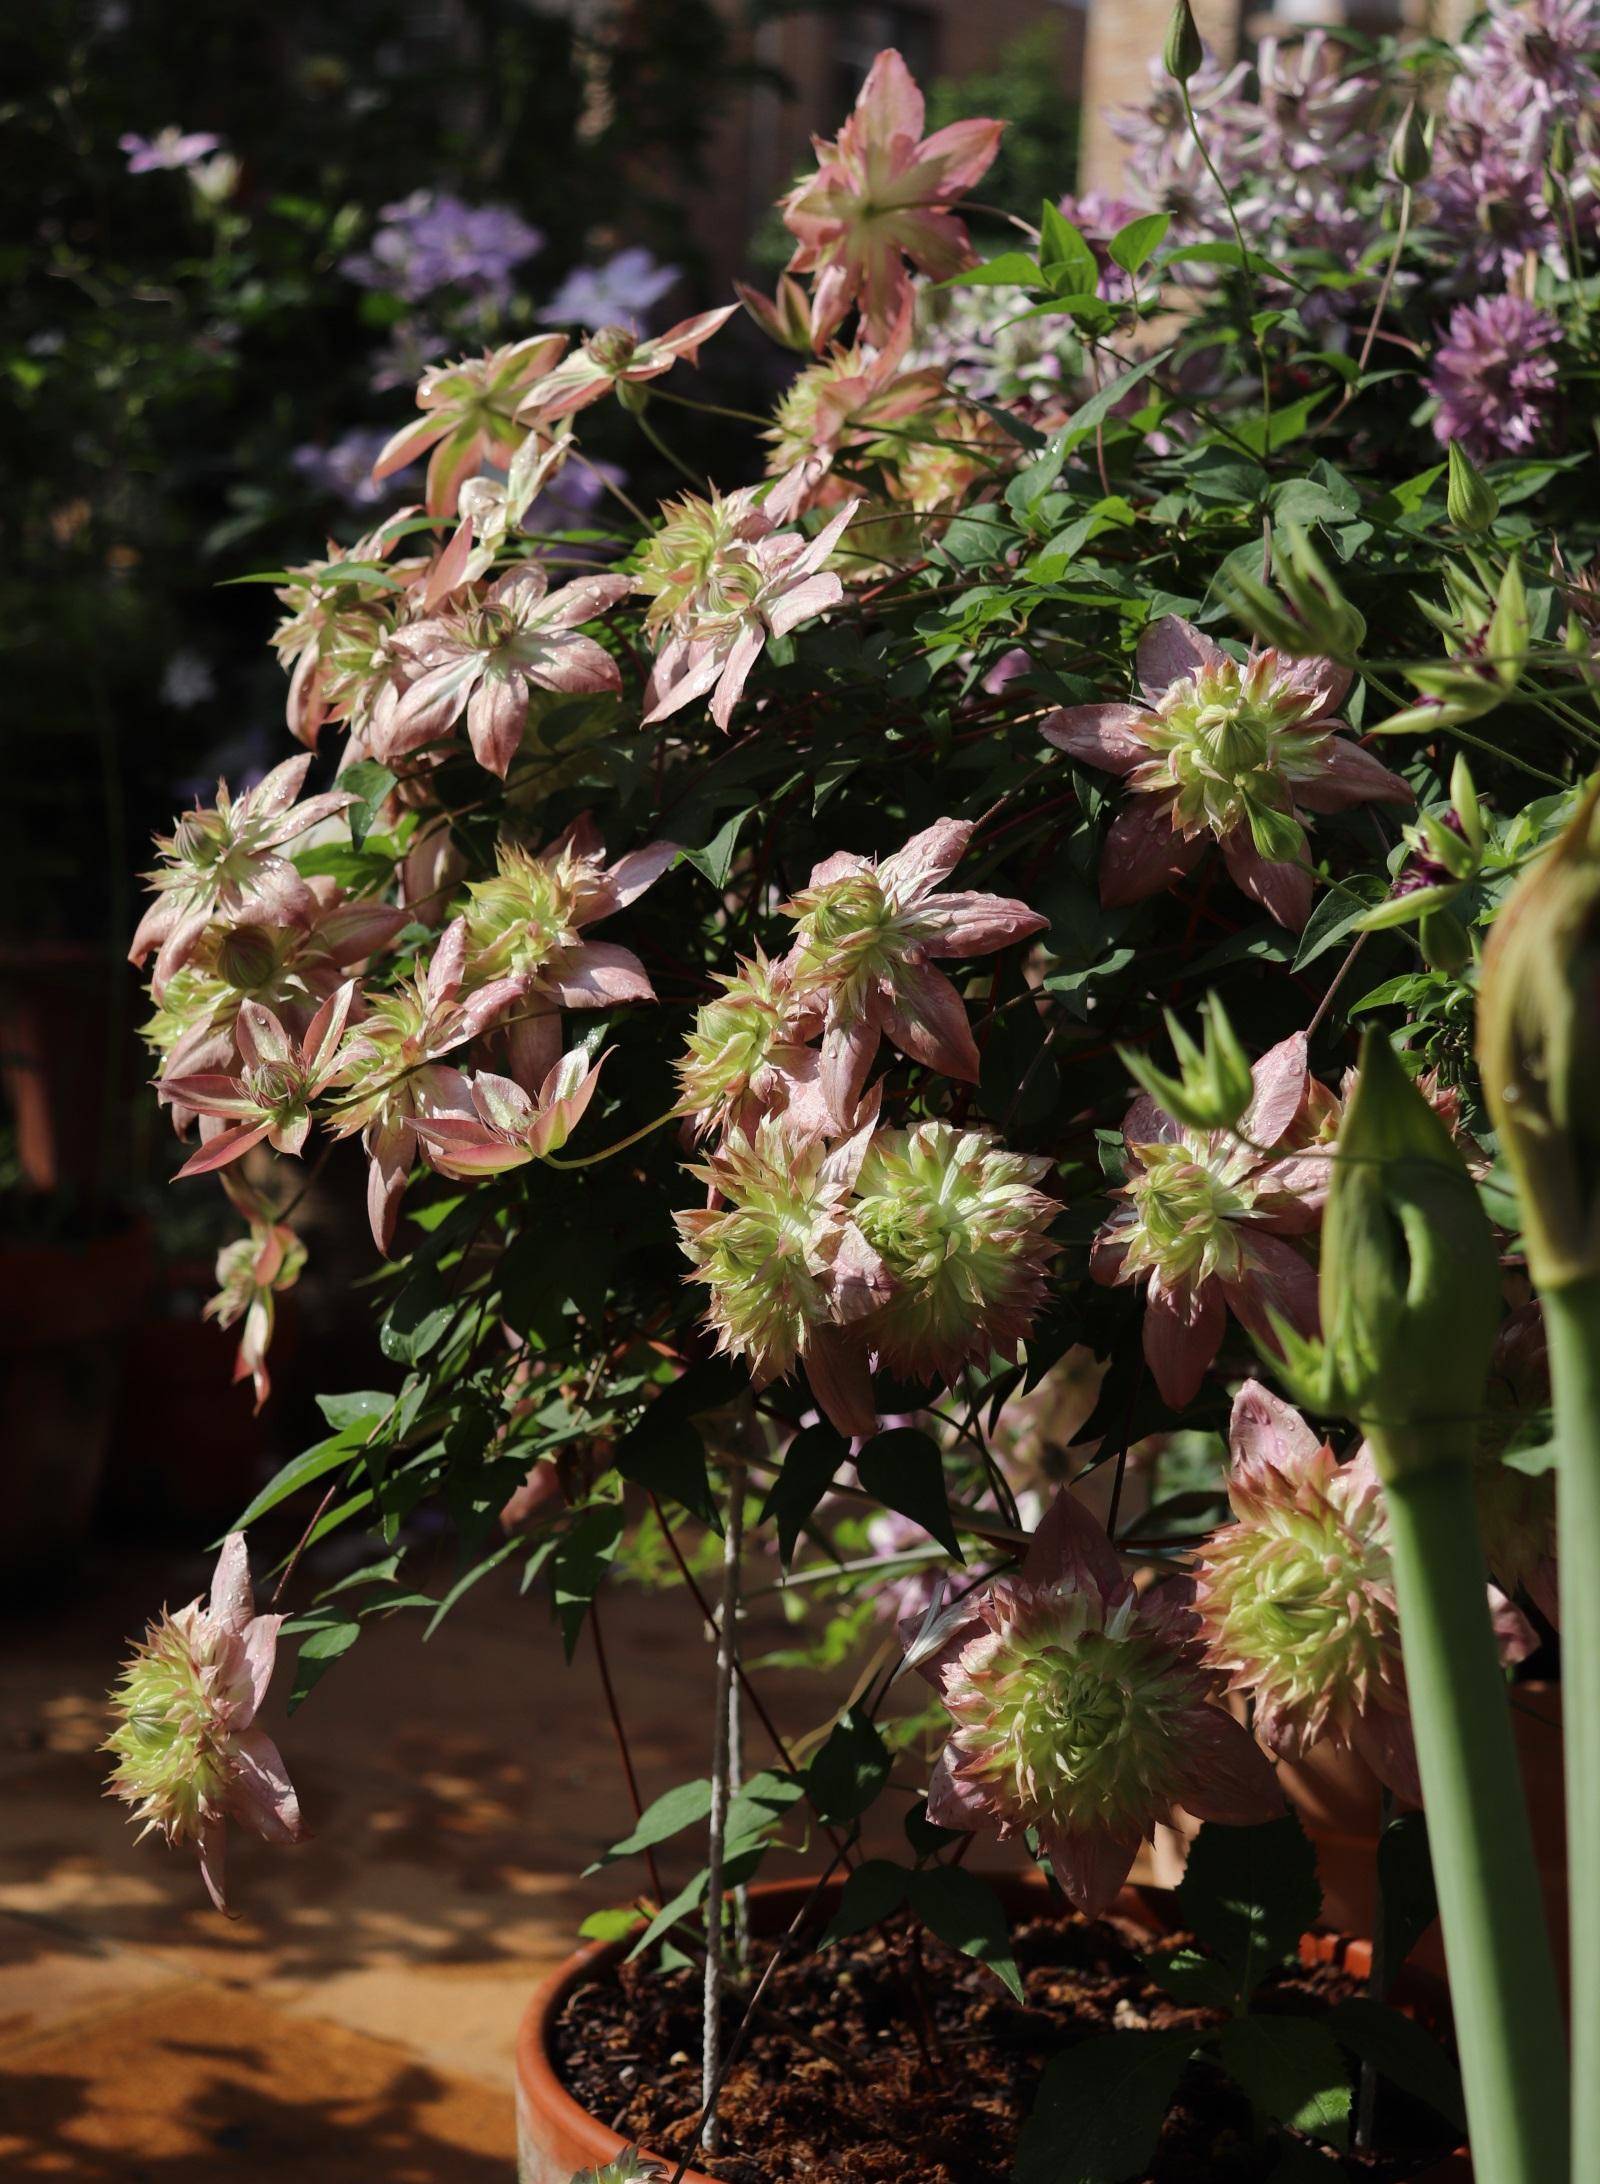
<point x="403" y="447"/>
<point x="859" y="1282"/>
<point x="228" y="1145"/>
<point x="1283" y="890"/>
<point x="746" y="650"/>
<point x="497" y="713"/>
<point x="1143" y="853"/>
<point x="260" y="1651"/>
<point x="848" y="1046"/>
<point x="260" y="1795"/>
<point x="583" y="599"/>
<point x="965" y="150"/>
<point x="804" y="601"/>
<point x="1070" y="1548"/>
<point x="1170" y="651"/>
<point x="1350" y="775"/>
<point x="603" y="975"/>
<point x="1279" y="1078"/>
<point x="929" y="857"/>
<point x="1181" y="1337"/>
<point x="1106" y="736"/>
<point x="1091" y="1868"/>
<point x="1226" y="1776"/>
<point x="978" y="924"/>
<point x="233" y="1600"/>
<point x="534" y="1047"/>
<point x="836" y="1368"/>
<point x="1277" y="1281"/>
<point x="1384" y="1740"/>
<point x="1265" y="1431"/>
<point x="953" y="1803"/>
<point x="213" y="1844"/>
<point x="889" y="104"/>
<point x="927" y="1019"/>
<point x="640" y="869"/>
<point x="686" y="338"/>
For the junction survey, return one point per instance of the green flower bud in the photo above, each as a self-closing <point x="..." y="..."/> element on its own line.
<point x="1471" y="502"/>
<point x="1214" y="1087"/>
<point x="1183" y="52"/>
<point x="1562" y="157"/>
<point x="1446" y="944"/>
<point x="1464" y="802"/>
<point x="1539" y="1049"/>
<point x="1410" y="1280"/>
<point x="1411" y="150"/>
<point x="1509" y="626"/>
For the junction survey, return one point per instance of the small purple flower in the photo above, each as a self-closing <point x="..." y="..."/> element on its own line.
<point x="343" y="471"/>
<point x="169" y="149"/>
<point x="1494" y="377"/>
<point x="619" y="293"/>
<point x="430" y="241"/>
<point x="1542" y="48"/>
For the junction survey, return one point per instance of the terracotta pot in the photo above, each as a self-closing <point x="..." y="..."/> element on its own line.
<point x="1338" y="1799"/>
<point x="556" y="2137"/>
<point x="65" y="1314"/>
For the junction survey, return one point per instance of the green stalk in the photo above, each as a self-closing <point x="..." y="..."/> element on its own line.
<point x="1502" y="1981"/>
<point x="1572" y="1319"/>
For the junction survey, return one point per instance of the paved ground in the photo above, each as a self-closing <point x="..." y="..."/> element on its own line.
<point x="356" y="2019"/>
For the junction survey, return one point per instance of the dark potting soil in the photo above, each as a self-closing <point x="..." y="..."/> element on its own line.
<point x="848" y="2076"/>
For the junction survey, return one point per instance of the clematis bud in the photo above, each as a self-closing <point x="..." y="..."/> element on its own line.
<point x="1215" y="1086"/>
<point x="1539" y="1048"/>
<point x="1471" y="502"/>
<point x="1312" y="618"/>
<point x="1410" y="1281"/>
<point x="1509" y="626"/>
<point x="1411" y="149"/>
<point x="1562" y="157"/>
<point x="1183" y="54"/>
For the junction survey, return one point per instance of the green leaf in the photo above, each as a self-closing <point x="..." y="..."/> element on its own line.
<point x="1131" y="245"/>
<point x="416" y="1319"/>
<point x="1405" y="1885"/>
<point x="872" y="1892"/>
<point x="1011" y="269"/>
<point x="1199" y="1981"/>
<point x="1099" y="406"/>
<point x="580" y="1562"/>
<point x="1100" y="2108"/>
<point x="1336" y="915"/>
<point x="850" y="1770"/>
<point x="1404" y="2052"/>
<point x="1263" y="435"/>
<point x="1250" y="1893"/>
<point x="1065" y="259"/>
<point x="1293" y="2071"/>
<point x="465" y="1584"/>
<point x="685" y="1901"/>
<point x="905" y="1471"/>
<point x="672" y="1812"/>
<point x="715" y="860"/>
<point x="318" y="1651"/>
<point x="361" y="1405"/>
<point x="670" y="1459"/>
<point x="966" y="1914"/>
<point x="613" y="1925"/>
<point x="810" y="1464"/>
<point x="301" y="1471"/>
<point x="370" y="783"/>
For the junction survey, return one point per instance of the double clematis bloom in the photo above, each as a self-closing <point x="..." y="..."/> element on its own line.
<point x="271" y="1096"/>
<point x="724" y="581"/>
<point x="1085" y="1711"/>
<point x="485" y="659"/>
<point x="867" y="936"/>
<point x="1207" y="1221"/>
<point x="882" y="195"/>
<point x="748" y="1054"/>
<point x="470" y="417"/>
<point x="506" y="1128"/>
<point x="1296" y="1597"/>
<point x="190" y="1756"/>
<point x="252" y="1274"/>
<point x="839" y="408"/>
<point x="222" y="867"/>
<point x="617" y="359"/>
<point x="394" y="1072"/>
<point x="1224" y="752"/>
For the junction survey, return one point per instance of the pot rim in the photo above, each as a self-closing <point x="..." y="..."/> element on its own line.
<point x="539" y="2084"/>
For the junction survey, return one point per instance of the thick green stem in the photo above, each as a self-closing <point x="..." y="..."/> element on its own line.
<point x="1572" y="1319"/>
<point x="1502" y="1981"/>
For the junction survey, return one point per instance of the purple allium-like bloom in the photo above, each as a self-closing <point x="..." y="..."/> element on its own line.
<point x="343" y="470"/>
<point x="618" y="293"/>
<point x="426" y="242"/>
<point x="1494" y="377"/>
<point x="167" y="151"/>
<point x="1312" y="110"/>
<point x="1542" y="49"/>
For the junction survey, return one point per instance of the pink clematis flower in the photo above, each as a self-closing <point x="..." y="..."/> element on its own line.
<point x="839" y="407"/>
<point x="617" y="359"/>
<point x="485" y="660"/>
<point x="190" y="1756"/>
<point x="867" y="936"/>
<point x="222" y="867"/>
<point x="392" y="1065"/>
<point x="1296" y="1597"/>
<point x="271" y="1096"/>
<point x="1221" y="752"/>
<point x="1084" y="1710"/>
<point x="1207" y="1221"/>
<point x="760" y="587"/>
<point x="168" y="151"/>
<point x="881" y="195"/>
<point x="252" y="1273"/>
<point x="340" y="609"/>
<point x="469" y="416"/>
<point x="506" y="1128"/>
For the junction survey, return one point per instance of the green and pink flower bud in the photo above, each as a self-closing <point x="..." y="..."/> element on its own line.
<point x="189" y="1754"/>
<point x="1084" y="1711"/>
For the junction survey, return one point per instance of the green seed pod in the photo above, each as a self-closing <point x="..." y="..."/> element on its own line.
<point x="1539" y="1049"/>
<point x="1471" y="502"/>
<point x="1183" y="52"/>
<point x="1411" y="150"/>
<point x="1410" y="1279"/>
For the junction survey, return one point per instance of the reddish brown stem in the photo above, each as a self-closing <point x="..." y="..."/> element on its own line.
<point x="621" y="1735"/>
